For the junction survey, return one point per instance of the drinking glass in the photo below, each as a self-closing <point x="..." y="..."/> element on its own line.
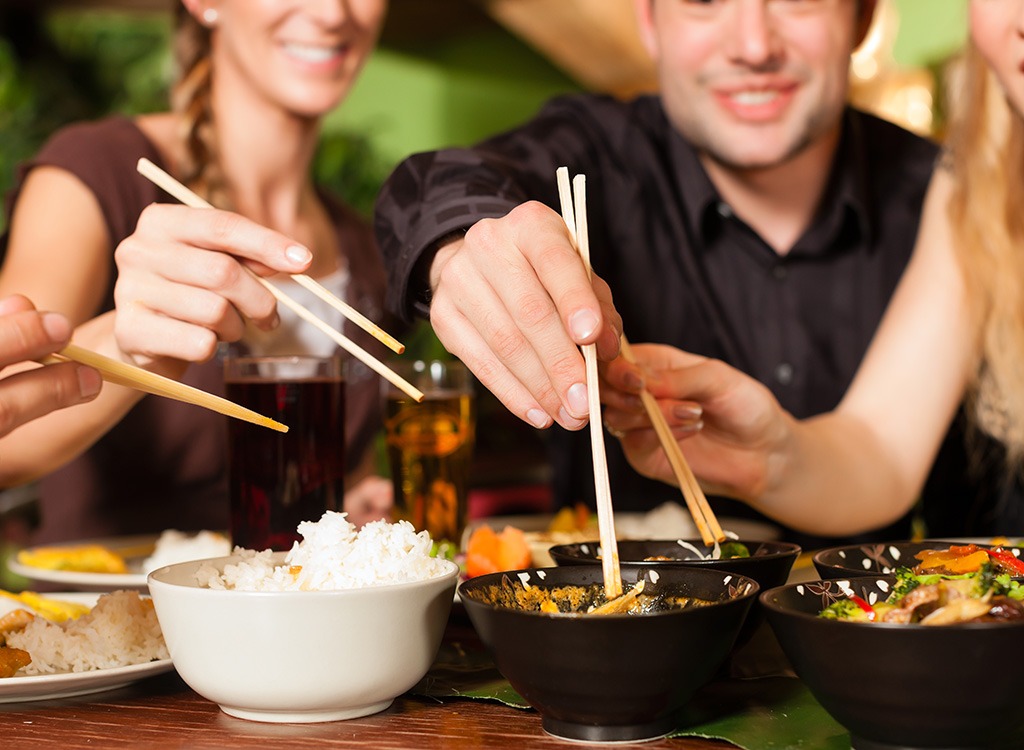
<point x="430" y="446"/>
<point x="279" y="480"/>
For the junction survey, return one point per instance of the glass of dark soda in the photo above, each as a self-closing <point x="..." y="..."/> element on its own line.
<point x="277" y="480"/>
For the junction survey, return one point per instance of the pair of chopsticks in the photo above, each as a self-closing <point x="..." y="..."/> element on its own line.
<point x="696" y="501"/>
<point x="130" y="376"/>
<point x="159" y="177"/>
<point x="576" y="222"/>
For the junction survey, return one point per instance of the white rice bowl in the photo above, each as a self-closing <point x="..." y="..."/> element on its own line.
<point x="335" y="628"/>
<point x="333" y="555"/>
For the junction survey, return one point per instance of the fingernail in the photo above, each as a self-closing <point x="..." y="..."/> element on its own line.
<point x="582" y="324"/>
<point x="690" y="426"/>
<point x="89" y="382"/>
<point x="538" y="418"/>
<point x="57" y="326"/>
<point x="687" y="412"/>
<point x="570" y="422"/>
<point x="298" y="255"/>
<point x="633" y="380"/>
<point x="579" y="404"/>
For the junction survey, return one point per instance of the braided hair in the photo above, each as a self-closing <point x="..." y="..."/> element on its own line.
<point x="191" y="99"/>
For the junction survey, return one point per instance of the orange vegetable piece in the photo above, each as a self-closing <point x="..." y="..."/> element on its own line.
<point x="489" y="552"/>
<point x="955" y="560"/>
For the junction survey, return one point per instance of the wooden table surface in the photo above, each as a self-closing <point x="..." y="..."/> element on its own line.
<point x="163" y="712"/>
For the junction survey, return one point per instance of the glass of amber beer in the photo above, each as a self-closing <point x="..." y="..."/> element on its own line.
<point x="430" y="446"/>
<point x="279" y="480"/>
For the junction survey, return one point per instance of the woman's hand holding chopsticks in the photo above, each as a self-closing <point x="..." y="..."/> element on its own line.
<point x="182" y="287"/>
<point x="713" y="431"/>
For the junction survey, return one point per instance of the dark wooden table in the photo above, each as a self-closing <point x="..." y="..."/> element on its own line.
<point x="163" y="712"/>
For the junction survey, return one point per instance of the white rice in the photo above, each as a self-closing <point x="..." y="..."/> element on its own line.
<point x="176" y="546"/>
<point x="333" y="555"/>
<point x="121" y="629"/>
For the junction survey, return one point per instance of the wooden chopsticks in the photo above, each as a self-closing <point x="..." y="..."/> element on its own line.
<point x="576" y="222"/>
<point x="696" y="501"/>
<point x="152" y="172"/>
<point x="130" y="376"/>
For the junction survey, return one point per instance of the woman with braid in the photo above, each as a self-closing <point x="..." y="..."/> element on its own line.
<point x="87" y="234"/>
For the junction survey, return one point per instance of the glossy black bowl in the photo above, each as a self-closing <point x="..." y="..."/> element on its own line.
<point x="610" y="678"/>
<point x="877" y="559"/>
<point x="903" y="686"/>
<point x="769" y="563"/>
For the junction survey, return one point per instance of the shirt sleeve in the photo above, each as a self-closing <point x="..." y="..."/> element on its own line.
<point x="432" y="195"/>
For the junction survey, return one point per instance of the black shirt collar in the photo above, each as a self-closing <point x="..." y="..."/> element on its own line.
<point x="844" y="211"/>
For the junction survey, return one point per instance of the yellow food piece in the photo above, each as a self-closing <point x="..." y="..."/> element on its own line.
<point x="55" y="610"/>
<point x="86" y="558"/>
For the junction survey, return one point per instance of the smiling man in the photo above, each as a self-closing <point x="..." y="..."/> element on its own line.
<point x="745" y="213"/>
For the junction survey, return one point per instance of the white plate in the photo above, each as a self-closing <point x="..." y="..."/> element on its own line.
<point x="48" y="686"/>
<point x="134" y="549"/>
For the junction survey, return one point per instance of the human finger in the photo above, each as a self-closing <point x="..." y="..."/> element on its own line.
<point x="226" y="232"/>
<point x="29" y="335"/>
<point x="521" y="320"/>
<point x="462" y="339"/>
<point x="30" y="394"/>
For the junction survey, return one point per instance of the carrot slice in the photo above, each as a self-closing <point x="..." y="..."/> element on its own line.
<point x="489" y="552"/>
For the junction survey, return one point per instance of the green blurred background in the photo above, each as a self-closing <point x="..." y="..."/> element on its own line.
<point x="60" y="63"/>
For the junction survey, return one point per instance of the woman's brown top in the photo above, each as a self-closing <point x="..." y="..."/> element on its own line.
<point x="165" y="464"/>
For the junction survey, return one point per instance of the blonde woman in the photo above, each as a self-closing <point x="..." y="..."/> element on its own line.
<point x="256" y="79"/>
<point x="955" y="327"/>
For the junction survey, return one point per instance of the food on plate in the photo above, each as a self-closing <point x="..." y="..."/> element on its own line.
<point x="11" y="660"/>
<point x="81" y="558"/>
<point x="121" y="629"/>
<point x="53" y="609"/>
<point x="933" y="599"/>
<point x="334" y="555"/>
<point x="577" y="524"/>
<point x="488" y="552"/>
<point x="967" y="558"/>
<point x="173" y="546"/>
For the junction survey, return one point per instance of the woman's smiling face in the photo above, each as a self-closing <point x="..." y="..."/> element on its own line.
<point x="302" y="55"/>
<point x="997" y="29"/>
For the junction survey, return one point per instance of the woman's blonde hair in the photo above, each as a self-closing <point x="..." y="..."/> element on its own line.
<point x="986" y="148"/>
<point x="191" y="100"/>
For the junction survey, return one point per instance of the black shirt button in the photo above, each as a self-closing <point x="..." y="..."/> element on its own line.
<point x="784" y="373"/>
<point x="780" y="272"/>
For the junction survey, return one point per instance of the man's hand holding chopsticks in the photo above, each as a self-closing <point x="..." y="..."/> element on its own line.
<point x="513" y="301"/>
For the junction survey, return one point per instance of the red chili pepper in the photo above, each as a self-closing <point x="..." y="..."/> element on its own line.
<point x="1007" y="560"/>
<point x="868" y="609"/>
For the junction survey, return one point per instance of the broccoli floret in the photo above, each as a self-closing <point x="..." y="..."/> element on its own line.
<point x="906" y="581"/>
<point x="844" y="609"/>
<point x="734" y="549"/>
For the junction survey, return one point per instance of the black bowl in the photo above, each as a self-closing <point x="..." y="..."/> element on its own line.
<point x="769" y="563"/>
<point x="878" y="559"/>
<point x="903" y="686"/>
<point x="610" y="678"/>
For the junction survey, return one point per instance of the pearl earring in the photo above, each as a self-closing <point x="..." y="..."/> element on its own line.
<point x="210" y="16"/>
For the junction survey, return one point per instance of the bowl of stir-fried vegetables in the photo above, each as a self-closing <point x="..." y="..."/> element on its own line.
<point x="768" y="563"/>
<point x="910" y="660"/>
<point x="886" y="558"/>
